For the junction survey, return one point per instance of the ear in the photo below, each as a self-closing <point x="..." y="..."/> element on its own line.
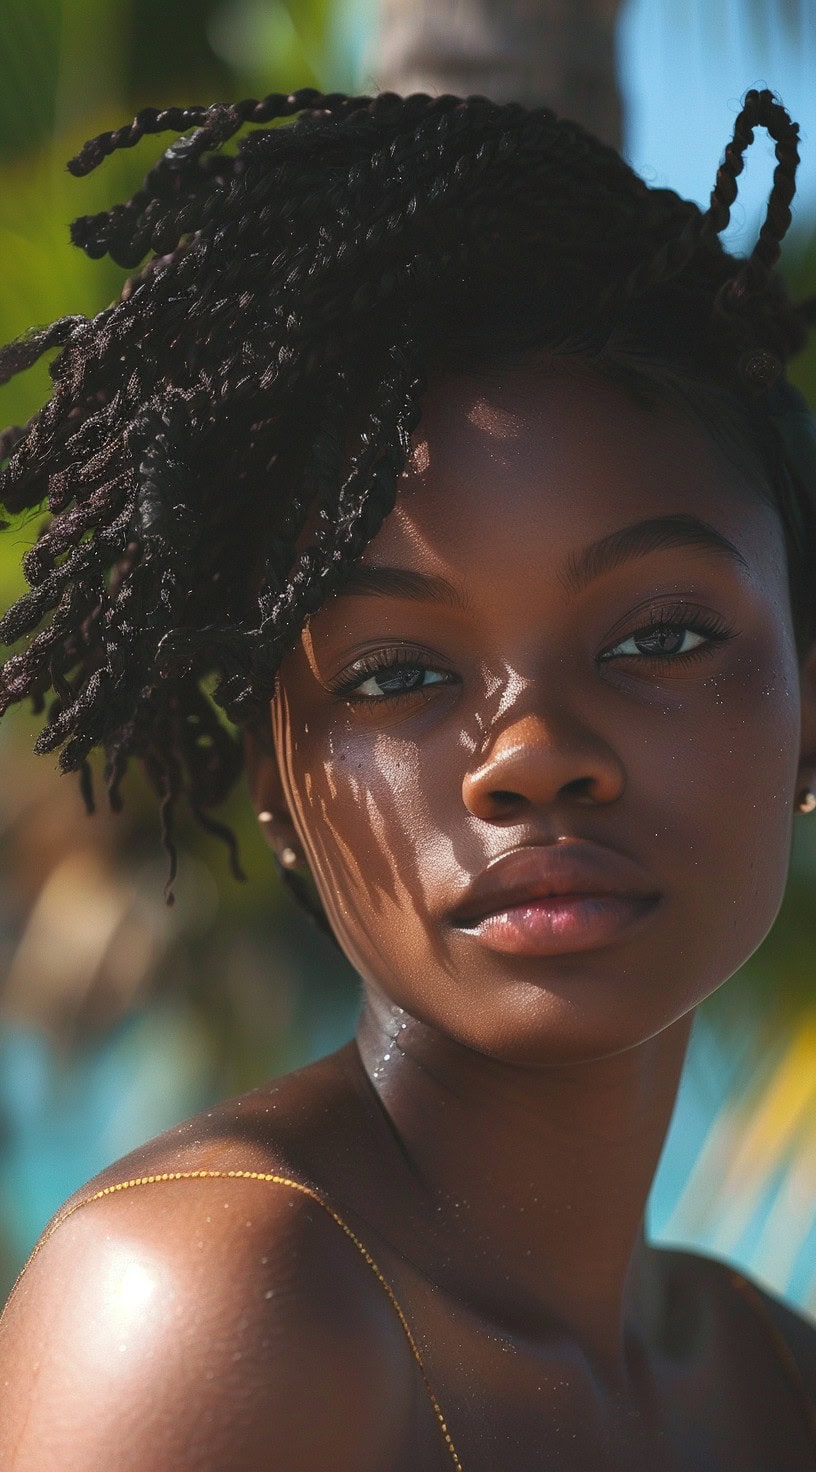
<point x="269" y="802"/>
<point x="807" y="759"/>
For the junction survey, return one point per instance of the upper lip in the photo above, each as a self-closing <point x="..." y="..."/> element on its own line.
<point x="540" y="871"/>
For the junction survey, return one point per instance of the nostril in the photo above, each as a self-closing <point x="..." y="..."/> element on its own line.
<point x="505" y="798"/>
<point x="580" y="787"/>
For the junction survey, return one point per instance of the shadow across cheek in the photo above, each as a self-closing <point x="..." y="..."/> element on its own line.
<point x="364" y="830"/>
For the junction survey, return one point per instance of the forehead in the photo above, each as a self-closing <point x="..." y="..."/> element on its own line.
<point x="512" y="471"/>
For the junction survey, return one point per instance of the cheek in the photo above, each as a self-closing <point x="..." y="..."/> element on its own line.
<point x="731" y="811"/>
<point x="708" y="807"/>
<point x="374" y="833"/>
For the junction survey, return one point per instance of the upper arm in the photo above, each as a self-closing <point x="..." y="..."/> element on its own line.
<point x="192" y="1326"/>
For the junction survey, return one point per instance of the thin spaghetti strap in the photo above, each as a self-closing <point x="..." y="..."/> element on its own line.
<point x="276" y="1180"/>
<point x="746" y="1289"/>
<point x="795" y="1377"/>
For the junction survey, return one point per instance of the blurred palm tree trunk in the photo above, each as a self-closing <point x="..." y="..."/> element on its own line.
<point x="558" y="52"/>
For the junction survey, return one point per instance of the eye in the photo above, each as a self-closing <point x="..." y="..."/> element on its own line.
<point x="672" y="636"/>
<point x="669" y="639"/>
<point x="388" y="674"/>
<point x="397" y="680"/>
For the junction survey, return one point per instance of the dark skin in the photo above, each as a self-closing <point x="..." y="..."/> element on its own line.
<point x="493" y="1132"/>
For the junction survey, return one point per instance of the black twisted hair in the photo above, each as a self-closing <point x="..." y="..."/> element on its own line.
<point x="264" y="370"/>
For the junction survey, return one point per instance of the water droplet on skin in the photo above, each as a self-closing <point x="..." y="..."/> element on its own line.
<point x="270" y="1293"/>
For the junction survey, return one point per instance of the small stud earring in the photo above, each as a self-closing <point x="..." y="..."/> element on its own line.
<point x="288" y="857"/>
<point x="807" y="801"/>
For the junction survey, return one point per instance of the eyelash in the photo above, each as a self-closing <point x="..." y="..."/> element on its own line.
<point x="678" y="616"/>
<point x="681" y="616"/>
<point x="379" y="664"/>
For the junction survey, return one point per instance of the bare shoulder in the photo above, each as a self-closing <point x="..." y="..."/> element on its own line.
<point x="210" y="1317"/>
<point x="796" y="1329"/>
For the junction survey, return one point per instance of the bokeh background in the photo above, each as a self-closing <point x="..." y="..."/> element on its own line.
<point x="119" y="1016"/>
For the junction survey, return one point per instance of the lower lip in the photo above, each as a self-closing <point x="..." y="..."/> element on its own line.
<point x="564" y="923"/>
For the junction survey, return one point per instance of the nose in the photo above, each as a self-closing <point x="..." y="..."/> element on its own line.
<point x="532" y="764"/>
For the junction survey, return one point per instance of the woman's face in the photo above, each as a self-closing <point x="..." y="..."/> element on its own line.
<point x="526" y="700"/>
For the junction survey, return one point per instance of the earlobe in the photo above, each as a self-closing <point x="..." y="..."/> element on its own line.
<point x="269" y="802"/>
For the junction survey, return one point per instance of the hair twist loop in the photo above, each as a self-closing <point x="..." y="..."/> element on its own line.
<point x="222" y="442"/>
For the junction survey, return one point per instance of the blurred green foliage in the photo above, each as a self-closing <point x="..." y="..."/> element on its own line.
<point x="75" y="67"/>
<point x="252" y="989"/>
<point x="72" y="68"/>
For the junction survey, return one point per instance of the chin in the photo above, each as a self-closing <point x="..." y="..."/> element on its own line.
<point x="534" y="1027"/>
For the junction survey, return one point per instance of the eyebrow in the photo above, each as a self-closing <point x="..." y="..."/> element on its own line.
<point x="402" y="582"/>
<point x="638" y="539"/>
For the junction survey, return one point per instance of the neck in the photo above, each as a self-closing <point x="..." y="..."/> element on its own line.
<point x="533" y="1181"/>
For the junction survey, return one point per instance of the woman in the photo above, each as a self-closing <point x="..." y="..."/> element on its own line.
<point x="468" y="466"/>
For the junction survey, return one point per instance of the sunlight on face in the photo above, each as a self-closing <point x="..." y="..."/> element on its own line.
<point x="494" y="421"/>
<point x="516" y="693"/>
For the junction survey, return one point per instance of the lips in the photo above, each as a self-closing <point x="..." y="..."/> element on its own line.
<point x="555" y="897"/>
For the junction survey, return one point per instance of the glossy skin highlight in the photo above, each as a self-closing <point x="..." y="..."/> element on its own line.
<point x="531" y="734"/>
<point x="493" y="1131"/>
